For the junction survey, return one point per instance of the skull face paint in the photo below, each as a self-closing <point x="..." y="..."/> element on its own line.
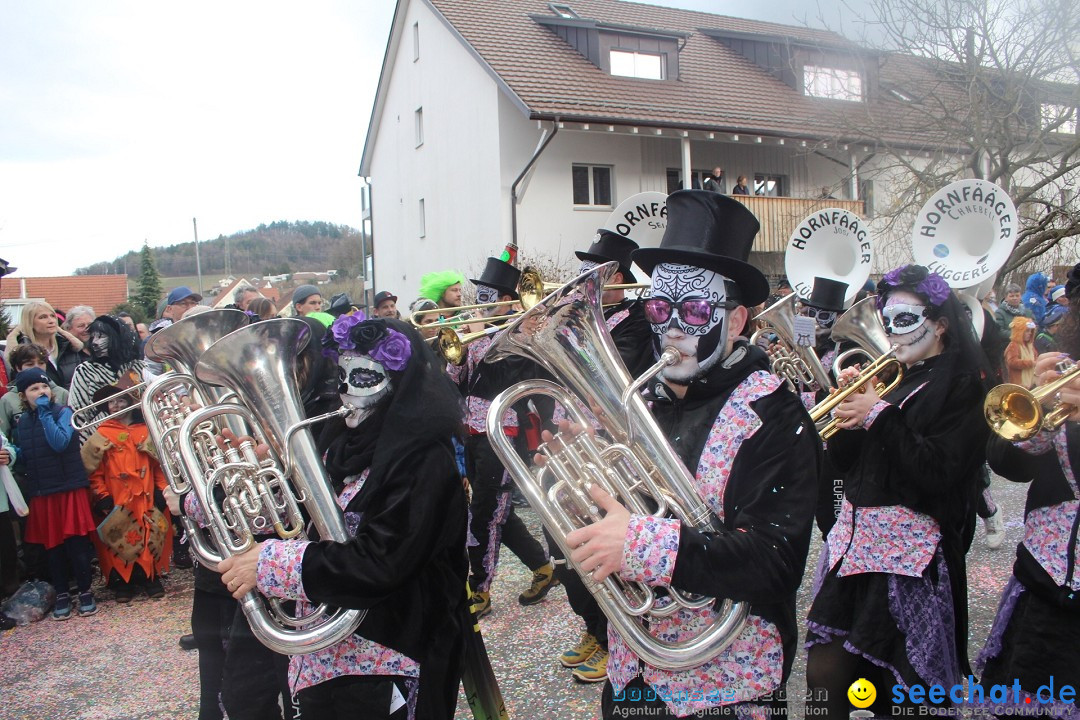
<point x="688" y="311"/>
<point x="99" y="346"/>
<point x="915" y="336"/>
<point x="363" y="383"/>
<point x="586" y="266"/>
<point x="485" y="295"/>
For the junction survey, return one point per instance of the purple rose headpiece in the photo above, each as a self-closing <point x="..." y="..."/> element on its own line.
<point x="373" y="337"/>
<point x="918" y="278"/>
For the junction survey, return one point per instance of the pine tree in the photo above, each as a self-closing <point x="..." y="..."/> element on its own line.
<point x="149" y="292"/>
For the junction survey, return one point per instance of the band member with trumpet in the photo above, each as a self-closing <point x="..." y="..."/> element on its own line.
<point x="1036" y="634"/>
<point x="393" y="466"/>
<point x="891" y="603"/>
<point x="493" y="519"/>
<point x="754" y="457"/>
<point x="632" y="335"/>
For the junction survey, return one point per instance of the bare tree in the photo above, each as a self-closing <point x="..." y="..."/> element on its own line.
<point x="975" y="88"/>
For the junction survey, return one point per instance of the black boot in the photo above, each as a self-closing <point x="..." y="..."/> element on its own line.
<point x="181" y="558"/>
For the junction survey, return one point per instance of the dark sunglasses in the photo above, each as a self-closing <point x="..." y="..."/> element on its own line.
<point x="695" y="313"/>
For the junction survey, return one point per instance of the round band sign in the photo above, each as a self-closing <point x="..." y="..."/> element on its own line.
<point x="965" y="232"/>
<point x="831" y="243"/>
<point x="641" y="217"/>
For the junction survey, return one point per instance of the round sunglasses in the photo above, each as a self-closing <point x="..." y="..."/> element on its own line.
<point x="694" y="312"/>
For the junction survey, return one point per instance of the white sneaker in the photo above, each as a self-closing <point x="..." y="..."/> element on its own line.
<point x="995" y="530"/>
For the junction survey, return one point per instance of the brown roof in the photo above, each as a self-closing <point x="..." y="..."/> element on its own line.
<point x="717" y="87"/>
<point x="101" y="292"/>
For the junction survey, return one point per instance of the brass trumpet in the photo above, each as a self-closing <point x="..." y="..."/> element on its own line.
<point x="1016" y="413"/>
<point x="821" y="411"/>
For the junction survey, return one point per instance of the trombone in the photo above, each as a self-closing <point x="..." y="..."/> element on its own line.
<point x="821" y="411"/>
<point x="92" y="410"/>
<point x="1016" y="413"/>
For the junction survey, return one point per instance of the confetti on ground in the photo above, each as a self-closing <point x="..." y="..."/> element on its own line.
<point x="124" y="663"/>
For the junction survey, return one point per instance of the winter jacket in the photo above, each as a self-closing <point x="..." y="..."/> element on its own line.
<point x="1020" y="356"/>
<point x="1034" y="298"/>
<point x="49" y="451"/>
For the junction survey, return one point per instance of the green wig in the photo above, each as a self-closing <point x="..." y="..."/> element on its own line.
<point x="433" y="285"/>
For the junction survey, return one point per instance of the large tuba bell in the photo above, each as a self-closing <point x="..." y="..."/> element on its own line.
<point x="796" y="363"/>
<point x="244" y="494"/>
<point x="168" y="400"/>
<point x="566" y="333"/>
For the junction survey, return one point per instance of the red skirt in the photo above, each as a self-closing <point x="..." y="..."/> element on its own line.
<point x="58" y="516"/>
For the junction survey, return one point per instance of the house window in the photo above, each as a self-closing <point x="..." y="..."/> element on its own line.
<point x="563" y="11"/>
<point x="1061" y="118"/>
<point x="769" y="185"/>
<point x="629" y="63"/>
<point x="832" y="83"/>
<point x="697" y="179"/>
<point x="423" y="219"/>
<point x="592" y="185"/>
<point x="419" y="126"/>
<point x="415" y="41"/>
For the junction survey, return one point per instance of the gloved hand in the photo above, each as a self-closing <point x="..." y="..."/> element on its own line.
<point x="43" y="402"/>
<point x="105" y="505"/>
<point x="159" y="500"/>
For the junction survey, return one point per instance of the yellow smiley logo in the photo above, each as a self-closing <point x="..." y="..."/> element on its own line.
<point x="862" y="693"/>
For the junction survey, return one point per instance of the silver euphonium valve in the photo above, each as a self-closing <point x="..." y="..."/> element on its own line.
<point x="797" y="364"/>
<point x="170" y="397"/>
<point x="245" y="493"/>
<point x="567" y="335"/>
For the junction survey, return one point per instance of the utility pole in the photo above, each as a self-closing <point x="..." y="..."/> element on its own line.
<point x="198" y="265"/>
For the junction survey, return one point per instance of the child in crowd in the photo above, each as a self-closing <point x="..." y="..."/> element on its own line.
<point x="25" y="357"/>
<point x="60" y="517"/>
<point x="1020" y="354"/>
<point x="125" y="473"/>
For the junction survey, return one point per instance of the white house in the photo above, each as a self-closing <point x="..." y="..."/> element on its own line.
<point x="528" y="121"/>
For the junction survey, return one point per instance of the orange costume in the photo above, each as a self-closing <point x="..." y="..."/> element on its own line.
<point x="129" y="474"/>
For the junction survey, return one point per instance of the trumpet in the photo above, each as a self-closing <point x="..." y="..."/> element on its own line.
<point x="821" y="411"/>
<point x="1016" y="413"/>
<point x="93" y="410"/>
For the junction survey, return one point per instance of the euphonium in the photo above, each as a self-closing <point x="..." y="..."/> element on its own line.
<point x="243" y="493"/>
<point x="1016" y="413"/>
<point x="168" y="398"/>
<point x="566" y="333"/>
<point x="797" y="364"/>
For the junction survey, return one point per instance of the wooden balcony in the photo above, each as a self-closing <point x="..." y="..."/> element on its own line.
<point x="779" y="216"/>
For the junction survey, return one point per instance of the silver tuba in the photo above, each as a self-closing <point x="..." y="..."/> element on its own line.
<point x="861" y="325"/>
<point x="262" y="495"/>
<point x="168" y="400"/>
<point x="566" y="334"/>
<point x="792" y="362"/>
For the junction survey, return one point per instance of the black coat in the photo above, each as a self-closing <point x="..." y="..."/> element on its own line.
<point x="407" y="566"/>
<point x="759" y="555"/>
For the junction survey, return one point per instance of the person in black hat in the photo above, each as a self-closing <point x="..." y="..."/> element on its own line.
<point x="385" y="305"/>
<point x="754" y="455"/>
<point x="633" y="340"/>
<point x="493" y="518"/>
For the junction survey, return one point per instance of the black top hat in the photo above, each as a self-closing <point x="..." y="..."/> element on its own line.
<point x="711" y="231"/>
<point x="828" y="294"/>
<point x="608" y="246"/>
<point x="500" y="275"/>
<point x="6" y="269"/>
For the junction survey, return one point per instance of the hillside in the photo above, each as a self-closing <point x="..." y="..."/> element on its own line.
<point x="278" y="248"/>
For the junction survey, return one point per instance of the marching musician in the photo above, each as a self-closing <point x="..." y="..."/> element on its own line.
<point x="632" y="336"/>
<point x="442" y="288"/>
<point x="754" y="455"/>
<point x="392" y="464"/>
<point x="891" y="600"/>
<point x="1036" y="635"/>
<point x="493" y="519"/>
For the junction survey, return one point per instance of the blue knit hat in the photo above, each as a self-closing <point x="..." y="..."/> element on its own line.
<point x="30" y="376"/>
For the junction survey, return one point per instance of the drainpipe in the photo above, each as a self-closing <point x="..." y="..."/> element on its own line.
<point x="544" y="141"/>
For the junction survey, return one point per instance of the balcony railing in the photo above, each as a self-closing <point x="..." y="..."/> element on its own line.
<point x="779" y="216"/>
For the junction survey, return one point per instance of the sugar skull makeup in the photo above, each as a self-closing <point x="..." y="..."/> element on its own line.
<point x="363" y="383"/>
<point x="688" y="311"/>
<point x="902" y="318"/>
<point x="586" y="266"/>
<point x="906" y="321"/>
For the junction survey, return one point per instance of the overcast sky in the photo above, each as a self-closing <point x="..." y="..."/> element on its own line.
<point x="123" y="120"/>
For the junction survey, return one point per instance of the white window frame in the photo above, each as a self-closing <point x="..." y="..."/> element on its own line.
<point x="636" y="57"/>
<point x="419" y="122"/>
<point x="1051" y="113"/>
<point x="423" y="219"/>
<point x="833" y="83"/>
<point x="416" y="41"/>
<point x="592" y="186"/>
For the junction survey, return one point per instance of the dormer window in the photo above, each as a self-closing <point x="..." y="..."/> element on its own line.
<point x="563" y="11"/>
<point x="832" y="83"/>
<point x="630" y="63"/>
